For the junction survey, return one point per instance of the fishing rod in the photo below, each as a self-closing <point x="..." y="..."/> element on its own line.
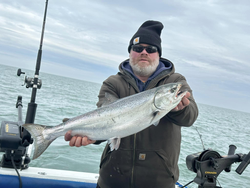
<point x="35" y="83"/>
<point x="14" y="140"/>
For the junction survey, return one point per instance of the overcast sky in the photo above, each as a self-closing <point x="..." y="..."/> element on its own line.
<point x="207" y="40"/>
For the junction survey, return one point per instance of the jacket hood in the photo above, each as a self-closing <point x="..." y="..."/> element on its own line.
<point x="153" y="80"/>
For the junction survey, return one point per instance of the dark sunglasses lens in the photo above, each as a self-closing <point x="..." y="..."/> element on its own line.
<point x="139" y="49"/>
<point x="151" y="49"/>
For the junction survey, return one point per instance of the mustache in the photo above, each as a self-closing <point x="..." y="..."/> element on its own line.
<point x="143" y="71"/>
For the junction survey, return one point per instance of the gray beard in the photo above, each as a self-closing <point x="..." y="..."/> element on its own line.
<point x="144" y="71"/>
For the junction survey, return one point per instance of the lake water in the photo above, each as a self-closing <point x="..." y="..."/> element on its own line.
<point x="62" y="97"/>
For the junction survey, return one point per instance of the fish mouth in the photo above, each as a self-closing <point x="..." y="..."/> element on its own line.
<point x="179" y="93"/>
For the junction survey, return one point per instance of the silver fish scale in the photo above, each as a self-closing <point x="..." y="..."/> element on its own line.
<point x="119" y="119"/>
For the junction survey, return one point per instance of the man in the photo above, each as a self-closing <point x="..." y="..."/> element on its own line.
<point x="148" y="159"/>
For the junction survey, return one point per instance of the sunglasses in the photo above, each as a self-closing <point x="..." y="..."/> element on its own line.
<point x="139" y="49"/>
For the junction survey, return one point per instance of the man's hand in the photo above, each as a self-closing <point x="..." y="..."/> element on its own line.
<point x="184" y="102"/>
<point x="77" y="140"/>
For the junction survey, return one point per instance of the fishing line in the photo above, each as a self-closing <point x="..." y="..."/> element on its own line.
<point x="218" y="182"/>
<point x="187" y="184"/>
<point x="203" y="149"/>
<point x="200" y="138"/>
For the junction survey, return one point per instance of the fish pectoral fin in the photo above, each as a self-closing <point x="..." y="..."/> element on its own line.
<point x="114" y="143"/>
<point x="156" y="123"/>
<point x="153" y="121"/>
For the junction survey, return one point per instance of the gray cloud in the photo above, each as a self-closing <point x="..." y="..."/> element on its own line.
<point x="207" y="40"/>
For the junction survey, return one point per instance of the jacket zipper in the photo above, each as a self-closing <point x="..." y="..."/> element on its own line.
<point x="133" y="167"/>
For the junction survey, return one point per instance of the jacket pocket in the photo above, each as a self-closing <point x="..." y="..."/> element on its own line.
<point x="166" y="163"/>
<point x="105" y="159"/>
<point x="152" y="170"/>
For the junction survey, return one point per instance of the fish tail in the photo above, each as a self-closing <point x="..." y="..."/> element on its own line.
<point x="41" y="143"/>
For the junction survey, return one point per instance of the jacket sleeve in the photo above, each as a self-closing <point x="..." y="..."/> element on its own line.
<point x="106" y="87"/>
<point x="188" y="115"/>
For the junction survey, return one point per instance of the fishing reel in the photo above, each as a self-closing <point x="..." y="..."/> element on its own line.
<point x="29" y="82"/>
<point x="11" y="142"/>
<point x="209" y="164"/>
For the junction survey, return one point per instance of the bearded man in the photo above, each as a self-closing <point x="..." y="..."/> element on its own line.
<point x="149" y="158"/>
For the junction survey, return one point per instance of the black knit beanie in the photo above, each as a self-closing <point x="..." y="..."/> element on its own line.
<point x="148" y="33"/>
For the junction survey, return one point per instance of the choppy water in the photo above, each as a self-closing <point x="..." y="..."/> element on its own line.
<point x="62" y="97"/>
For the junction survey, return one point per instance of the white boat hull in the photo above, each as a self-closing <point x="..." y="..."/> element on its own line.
<point x="49" y="178"/>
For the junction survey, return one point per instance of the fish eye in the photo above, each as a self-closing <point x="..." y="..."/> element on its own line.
<point x="173" y="90"/>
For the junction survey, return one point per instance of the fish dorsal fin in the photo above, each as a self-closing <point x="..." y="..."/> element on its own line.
<point x="109" y="98"/>
<point x="114" y="143"/>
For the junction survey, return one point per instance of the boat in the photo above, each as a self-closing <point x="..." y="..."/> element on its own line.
<point x="49" y="178"/>
<point x="15" y="171"/>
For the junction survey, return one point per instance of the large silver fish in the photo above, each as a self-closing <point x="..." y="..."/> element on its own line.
<point x="113" y="121"/>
